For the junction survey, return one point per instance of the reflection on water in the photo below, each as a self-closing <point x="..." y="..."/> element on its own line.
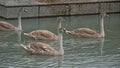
<point x="102" y="45"/>
<point x="19" y="35"/>
<point x="79" y="52"/>
<point x="5" y="34"/>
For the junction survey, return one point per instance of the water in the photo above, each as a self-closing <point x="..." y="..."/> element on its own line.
<point x="79" y="53"/>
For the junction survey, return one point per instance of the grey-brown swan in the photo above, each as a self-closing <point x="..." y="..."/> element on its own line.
<point x="86" y="32"/>
<point x="45" y="49"/>
<point x="5" y="26"/>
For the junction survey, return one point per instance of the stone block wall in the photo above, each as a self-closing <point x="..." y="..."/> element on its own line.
<point x="60" y="9"/>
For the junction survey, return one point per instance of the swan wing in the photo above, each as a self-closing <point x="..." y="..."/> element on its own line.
<point x="85" y="31"/>
<point x="6" y="25"/>
<point x="43" y="34"/>
<point x="39" y="48"/>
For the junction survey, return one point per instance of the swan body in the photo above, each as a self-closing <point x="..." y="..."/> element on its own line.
<point x="5" y="26"/>
<point x="89" y="33"/>
<point x="45" y="49"/>
<point x="40" y="48"/>
<point x="41" y="35"/>
<point x="83" y="32"/>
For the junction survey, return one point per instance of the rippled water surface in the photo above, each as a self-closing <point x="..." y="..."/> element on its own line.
<point x="79" y="52"/>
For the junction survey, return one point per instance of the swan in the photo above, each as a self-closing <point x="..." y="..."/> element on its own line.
<point x="86" y="32"/>
<point x="5" y="26"/>
<point x="42" y="35"/>
<point x="45" y="49"/>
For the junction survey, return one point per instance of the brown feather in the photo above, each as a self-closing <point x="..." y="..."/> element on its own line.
<point x="40" y="48"/>
<point x="6" y="25"/>
<point x="84" y="32"/>
<point x="42" y="35"/>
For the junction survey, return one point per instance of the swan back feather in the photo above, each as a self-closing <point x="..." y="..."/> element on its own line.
<point x="6" y="26"/>
<point x="42" y="35"/>
<point x="40" y="48"/>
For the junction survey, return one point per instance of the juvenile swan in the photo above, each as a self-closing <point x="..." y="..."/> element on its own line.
<point x="86" y="32"/>
<point x="45" y="49"/>
<point x="5" y="26"/>
<point x="41" y="35"/>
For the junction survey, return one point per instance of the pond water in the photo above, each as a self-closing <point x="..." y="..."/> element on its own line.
<point x="79" y="52"/>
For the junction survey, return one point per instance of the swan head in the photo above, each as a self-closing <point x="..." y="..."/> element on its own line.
<point x="60" y="19"/>
<point x="103" y="14"/>
<point x="64" y="30"/>
<point x="21" y="9"/>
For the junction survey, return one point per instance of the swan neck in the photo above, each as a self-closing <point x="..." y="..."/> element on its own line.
<point x="102" y="44"/>
<point x="60" y="40"/>
<point x="19" y="21"/>
<point x="102" y="32"/>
